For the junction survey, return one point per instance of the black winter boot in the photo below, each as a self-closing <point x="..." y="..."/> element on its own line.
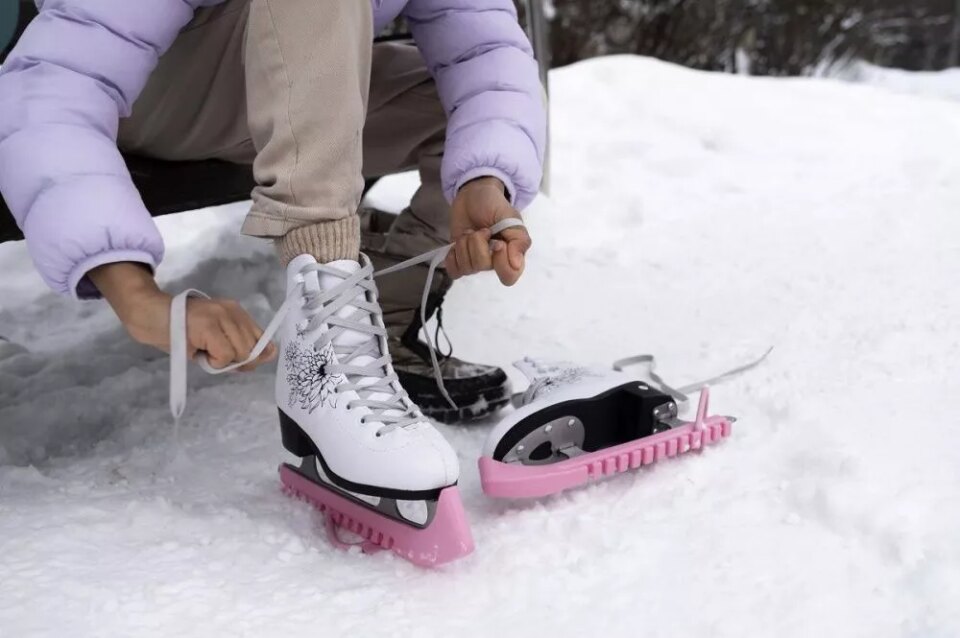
<point x="478" y="390"/>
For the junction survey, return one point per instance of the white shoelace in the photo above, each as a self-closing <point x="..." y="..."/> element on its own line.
<point x="394" y="411"/>
<point x="681" y="394"/>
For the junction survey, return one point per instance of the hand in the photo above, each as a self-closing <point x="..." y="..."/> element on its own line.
<point x="479" y="205"/>
<point x="219" y="327"/>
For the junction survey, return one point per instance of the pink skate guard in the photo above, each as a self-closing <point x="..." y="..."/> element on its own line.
<point x="445" y="539"/>
<point x="514" y="480"/>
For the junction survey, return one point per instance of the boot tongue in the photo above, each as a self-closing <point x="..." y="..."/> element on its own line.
<point x="310" y="282"/>
<point x="315" y="282"/>
<point x="350" y="339"/>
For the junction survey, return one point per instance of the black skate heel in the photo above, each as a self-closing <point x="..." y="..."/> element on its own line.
<point x="294" y="439"/>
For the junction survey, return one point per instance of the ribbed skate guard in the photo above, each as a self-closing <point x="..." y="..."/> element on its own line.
<point x="446" y="539"/>
<point x="514" y="480"/>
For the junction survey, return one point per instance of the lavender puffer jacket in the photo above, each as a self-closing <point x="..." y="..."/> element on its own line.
<point x="81" y="64"/>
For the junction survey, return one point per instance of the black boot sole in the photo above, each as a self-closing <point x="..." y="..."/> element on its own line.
<point x="476" y="398"/>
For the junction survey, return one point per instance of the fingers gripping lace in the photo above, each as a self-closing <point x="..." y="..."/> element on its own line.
<point x="435" y="258"/>
<point x="378" y="390"/>
<point x="392" y="407"/>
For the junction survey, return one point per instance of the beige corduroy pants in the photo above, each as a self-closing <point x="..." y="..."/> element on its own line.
<point x="298" y="89"/>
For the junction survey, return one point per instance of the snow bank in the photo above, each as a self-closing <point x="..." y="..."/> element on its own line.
<point x="938" y="84"/>
<point x="701" y="217"/>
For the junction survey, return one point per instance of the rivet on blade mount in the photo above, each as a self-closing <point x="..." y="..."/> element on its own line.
<point x="666" y="417"/>
<point x="564" y="443"/>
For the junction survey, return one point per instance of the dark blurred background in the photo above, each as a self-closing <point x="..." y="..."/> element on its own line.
<point x="763" y="37"/>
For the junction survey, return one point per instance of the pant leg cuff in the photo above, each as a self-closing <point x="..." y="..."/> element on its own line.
<point x="326" y="241"/>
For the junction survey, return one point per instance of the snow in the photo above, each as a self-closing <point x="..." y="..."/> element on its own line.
<point x="701" y="217"/>
<point x="936" y="84"/>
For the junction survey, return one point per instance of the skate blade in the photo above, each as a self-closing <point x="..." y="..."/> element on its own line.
<point x="516" y="480"/>
<point x="445" y="539"/>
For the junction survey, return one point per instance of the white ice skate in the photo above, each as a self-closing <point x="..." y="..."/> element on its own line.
<point x="368" y="456"/>
<point x="576" y="424"/>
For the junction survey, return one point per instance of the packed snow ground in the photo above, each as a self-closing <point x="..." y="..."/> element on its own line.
<point x="937" y="84"/>
<point x="701" y="217"/>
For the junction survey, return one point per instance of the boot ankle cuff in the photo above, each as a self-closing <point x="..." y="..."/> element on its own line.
<point x="326" y="241"/>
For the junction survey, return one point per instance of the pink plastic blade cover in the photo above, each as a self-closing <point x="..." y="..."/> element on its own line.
<point x="514" y="480"/>
<point x="446" y="539"/>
